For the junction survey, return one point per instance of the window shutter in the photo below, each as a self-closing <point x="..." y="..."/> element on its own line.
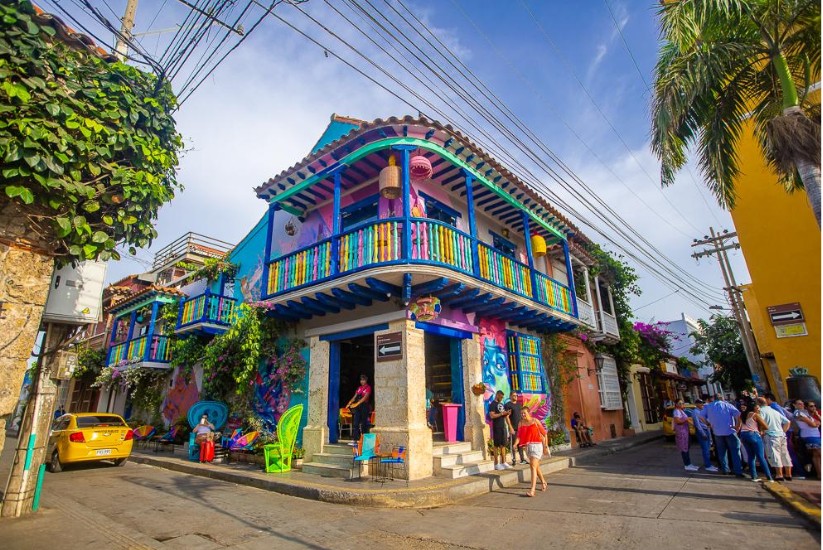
<point x="609" y="383"/>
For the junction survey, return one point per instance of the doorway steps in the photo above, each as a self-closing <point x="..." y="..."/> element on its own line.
<point x="455" y="460"/>
<point x="334" y="461"/>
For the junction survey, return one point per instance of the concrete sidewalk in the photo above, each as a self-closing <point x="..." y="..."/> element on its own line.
<point x="800" y="495"/>
<point x="426" y="493"/>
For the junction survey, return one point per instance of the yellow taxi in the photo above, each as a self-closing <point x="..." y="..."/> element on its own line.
<point x="668" y="420"/>
<point x="87" y="437"/>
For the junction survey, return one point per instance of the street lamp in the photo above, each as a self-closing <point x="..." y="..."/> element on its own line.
<point x="599" y="361"/>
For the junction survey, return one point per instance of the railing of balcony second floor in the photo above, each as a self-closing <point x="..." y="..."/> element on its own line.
<point x="433" y="242"/>
<point x="206" y="308"/>
<point x="151" y="348"/>
<point x="609" y="323"/>
<point x="585" y="312"/>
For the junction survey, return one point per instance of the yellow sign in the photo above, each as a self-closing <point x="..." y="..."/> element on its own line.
<point x="789" y="331"/>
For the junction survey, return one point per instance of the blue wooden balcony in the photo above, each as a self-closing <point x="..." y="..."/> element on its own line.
<point x="150" y="350"/>
<point x="381" y="244"/>
<point x="206" y="313"/>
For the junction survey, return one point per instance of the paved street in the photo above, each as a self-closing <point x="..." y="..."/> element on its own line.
<point x="638" y="498"/>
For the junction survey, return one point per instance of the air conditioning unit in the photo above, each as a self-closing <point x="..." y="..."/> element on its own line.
<point x="76" y="294"/>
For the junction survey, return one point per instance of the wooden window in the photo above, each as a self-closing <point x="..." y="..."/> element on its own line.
<point x="650" y="409"/>
<point x="525" y="363"/>
<point x="609" y="383"/>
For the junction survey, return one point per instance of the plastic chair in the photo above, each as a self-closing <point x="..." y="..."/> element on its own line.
<point x="143" y="433"/>
<point x="367" y="449"/>
<point x="217" y="412"/>
<point x="344" y="422"/>
<point x="397" y="460"/>
<point x="278" y="455"/>
<point x="166" y="439"/>
<point x="227" y="440"/>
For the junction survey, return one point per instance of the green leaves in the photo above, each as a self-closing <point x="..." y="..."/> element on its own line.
<point x="25" y="195"/>
<point x="92" y="145"/>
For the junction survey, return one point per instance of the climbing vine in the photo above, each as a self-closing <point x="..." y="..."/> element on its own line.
<point x="90" y="362"/>
<point x="89" y="147"/>
<point x="561" y="370"/>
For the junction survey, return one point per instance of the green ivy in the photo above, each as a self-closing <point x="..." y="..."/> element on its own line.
<point x="90" y="362"/>
<point x="561" y="370"/>
<point x="89" y="148"/>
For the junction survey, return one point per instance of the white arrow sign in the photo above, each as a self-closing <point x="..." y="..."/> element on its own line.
<point x="784" y="316"/>
<point x="385" y="350"/>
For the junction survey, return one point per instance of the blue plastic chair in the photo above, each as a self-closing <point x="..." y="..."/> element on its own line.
<point x="218" y="414"/>
<point x="367" y="449"/>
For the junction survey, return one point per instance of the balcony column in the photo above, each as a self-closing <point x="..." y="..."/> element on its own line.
<point x="155" y="308"/>
<point x="472" y="218"/>
<point x="570" y="276"/>
<point x="316" y="432"/>
<point x="112" y="338"/>
<point x="529" y="255"/>
<point x="264" y="284"/>
<point x="335" y="222"/>
<point x="132" y="321"/>
<point x="406" y="150"/>
<point x="600" y="310"/>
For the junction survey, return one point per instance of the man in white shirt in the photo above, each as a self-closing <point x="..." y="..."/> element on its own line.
<point x="777" y="451"/>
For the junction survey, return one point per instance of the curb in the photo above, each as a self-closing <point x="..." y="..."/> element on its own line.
<point x="794" y="502"/>
<point x="449" y="491"/>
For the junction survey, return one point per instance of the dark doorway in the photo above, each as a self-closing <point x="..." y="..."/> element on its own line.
<point x="350" y="357"/>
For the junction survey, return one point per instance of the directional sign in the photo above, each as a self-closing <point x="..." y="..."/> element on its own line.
<point x="786" y="314"/>
<point x="389" y="347"/>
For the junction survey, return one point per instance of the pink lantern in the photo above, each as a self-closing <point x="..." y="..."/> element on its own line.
<point x="420" y="168"/>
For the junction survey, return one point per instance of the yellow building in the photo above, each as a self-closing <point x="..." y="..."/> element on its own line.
<point x="780" y="240"/>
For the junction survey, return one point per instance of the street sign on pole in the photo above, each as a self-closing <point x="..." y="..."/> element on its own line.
<point x="388" y="347"/>
<point x="786" y="314"/>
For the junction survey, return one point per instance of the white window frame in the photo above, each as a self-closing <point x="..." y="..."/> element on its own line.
<point x="609" y="386"/>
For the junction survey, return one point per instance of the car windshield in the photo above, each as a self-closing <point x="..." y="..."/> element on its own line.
<point x="99" y="421"/>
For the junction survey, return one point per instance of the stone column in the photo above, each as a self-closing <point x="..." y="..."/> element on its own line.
<point x="25" y="275"/>
<point x="475" y="429"/>
<point x="316" y="432"/>
<point x="400" y="401"/>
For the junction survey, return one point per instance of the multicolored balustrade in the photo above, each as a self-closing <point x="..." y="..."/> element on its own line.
<point x="431" y="242"/>
<point x="373" y="244"/>
<point x="503" y="271"/>
<point x="552" y="293"/>
<point x="154" y="348"/>
<point x="438" y="242"/>
<point x="299" y="268"/>
<point x="207" y="308"/>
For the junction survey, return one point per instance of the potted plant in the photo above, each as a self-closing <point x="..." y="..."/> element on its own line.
<point x="297" y="458"/>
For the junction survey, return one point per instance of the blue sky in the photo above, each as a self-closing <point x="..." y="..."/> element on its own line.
<point x="561" y="67"/>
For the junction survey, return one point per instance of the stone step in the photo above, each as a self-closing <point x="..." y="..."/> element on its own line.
<point x="464" y="470"/>
<point x="328" y="470"/>
<point x="338" y="449"/>
<point x="451" y="459"/>
<point x="337" y="459"/>
<point x="439" y="449"/>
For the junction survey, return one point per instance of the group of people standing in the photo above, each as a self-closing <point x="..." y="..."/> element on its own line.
<point x="753" y="432"/>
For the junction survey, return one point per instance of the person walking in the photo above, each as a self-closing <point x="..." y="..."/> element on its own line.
<point x="361" y="409"/>
<point x="515" y="412"/>
<point x="500" y="437"/>
<point x="752" y="424"/>
<point x="724" y="420"/>
<point x="532" y="435"/>
<point x="703" y="434"/>
<point x="774" y="440"/>
<point x="681" y="435"/>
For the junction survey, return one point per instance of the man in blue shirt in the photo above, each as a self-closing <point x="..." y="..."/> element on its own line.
<point x="702" y="434"/>
<point x="724" y="420"/>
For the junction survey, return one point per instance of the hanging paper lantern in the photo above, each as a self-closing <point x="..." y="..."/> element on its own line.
<point x="390" y="180"/>
<point x="420" y="168"/>
<point x="538" y="246"/>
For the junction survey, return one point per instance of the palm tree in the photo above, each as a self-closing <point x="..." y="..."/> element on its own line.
<point x="724" y="61"/>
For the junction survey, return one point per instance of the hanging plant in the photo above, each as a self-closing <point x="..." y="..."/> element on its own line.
<point x="288" y="364"/>
<point x="213" y="268"/>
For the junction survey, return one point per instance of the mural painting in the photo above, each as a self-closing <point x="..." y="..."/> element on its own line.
<point x="495" y="361"/>
<point x="180" y="398"/>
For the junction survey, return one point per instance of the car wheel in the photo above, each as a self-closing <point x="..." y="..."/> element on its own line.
<point x="55" y="466"/>
<point x="120" y="461"/>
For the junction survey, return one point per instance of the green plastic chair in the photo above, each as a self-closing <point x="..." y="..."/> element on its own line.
<point x="279" y="454"/>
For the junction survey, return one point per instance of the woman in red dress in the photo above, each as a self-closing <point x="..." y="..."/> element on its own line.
<point x="532" y="435"/>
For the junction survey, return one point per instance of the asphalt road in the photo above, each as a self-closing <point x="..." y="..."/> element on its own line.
<point x="640" y="498"/>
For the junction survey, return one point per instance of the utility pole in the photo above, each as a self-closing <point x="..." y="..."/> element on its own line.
<point x="719" y="248"/>
<point x="127" y="24"/>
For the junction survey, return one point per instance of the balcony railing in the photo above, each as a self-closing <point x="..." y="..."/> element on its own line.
<point x="206" y="308"/>
<point x="153" y="348"/>
<point x="432" y="243"/>
<point x="585" y="312"/>
<point x="609" y="323"/>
